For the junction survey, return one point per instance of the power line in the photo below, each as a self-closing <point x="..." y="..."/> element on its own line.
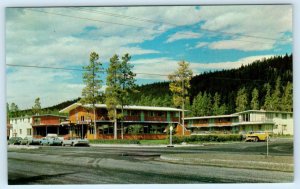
<point x="138" y="73"/>
<point x="170" y="24"/>
<point x="141" y="27"/>
<point x="48" y="67"/>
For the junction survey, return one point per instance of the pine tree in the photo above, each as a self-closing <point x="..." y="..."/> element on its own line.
<point x="36" y="109"/>
<point x="276" y="96"/>
<point x="202" y="105"/>
<point x="218" y="109"/>
<point x="179" y="85"/>
<point x="112" y="90"/>
<point x="287" y="99"/>
<point x="14" y="110"/>
<point x="127" y="82"/>
<point x="254" y="101"/>
<point x="92" y="81"/>
<point x="241" y="100"/>
<point x="268" y="105"/>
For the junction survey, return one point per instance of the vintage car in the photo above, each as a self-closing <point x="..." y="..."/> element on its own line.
<point x="50" y="141"/>
<point x="256" y="136"/>
<point x="76" y="141"/>
<point x="14" y="140"/>
<point x="30" y="140"/>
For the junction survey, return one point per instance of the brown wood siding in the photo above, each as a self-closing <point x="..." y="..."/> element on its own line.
<point x="130" y="136"/>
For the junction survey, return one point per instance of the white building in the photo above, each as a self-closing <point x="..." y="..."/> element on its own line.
<point x="21" y="127"/>
<point x="277" y="122"/>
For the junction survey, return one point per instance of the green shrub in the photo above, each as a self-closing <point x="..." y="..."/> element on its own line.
<point x="119" y="141"/>
<point x="206" y="138"/>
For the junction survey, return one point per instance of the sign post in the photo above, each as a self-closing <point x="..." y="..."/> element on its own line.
<point x="171" y="129"/>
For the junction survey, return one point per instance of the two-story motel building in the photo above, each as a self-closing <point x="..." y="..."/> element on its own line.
<point x="277" y="122"/>
<point x="37" y="125"/>
<point x="152" y="121"/>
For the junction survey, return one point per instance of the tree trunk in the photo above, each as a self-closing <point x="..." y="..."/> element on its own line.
<point x="115" y="125"/>
<point x="95" y="128"/>
<point x="122" y="126"/>
<point x="183" y="118"/>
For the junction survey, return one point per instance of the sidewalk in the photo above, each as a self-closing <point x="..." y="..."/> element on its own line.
<point x="260" y="162"/>
<point x="145" y="145"/>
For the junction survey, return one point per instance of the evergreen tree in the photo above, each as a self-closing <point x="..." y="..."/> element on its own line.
<point x="112" y="90"/>
<point x="202" y="105"/>
<point x="14" y="110"/>
<point x="241" y="100"/>
<point x="287" y="99"/>
<point x="36" y="109"/>
<point x="268" y="105"/>
<point x="92" y="81"/>
<point x="255" y="101"/>
<point x="127" y="82"/>
<point x="179" y="85"/>
<point x="218" y="109"/>
<point x="276" y="96"/>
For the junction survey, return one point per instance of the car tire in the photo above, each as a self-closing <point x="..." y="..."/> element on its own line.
<point x="255" y="139"/>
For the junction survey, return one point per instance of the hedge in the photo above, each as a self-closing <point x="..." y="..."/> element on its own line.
<point x="119" y="141"/>
<point x="206" y="138"/>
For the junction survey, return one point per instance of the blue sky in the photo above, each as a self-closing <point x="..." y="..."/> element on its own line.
<point x="208" y="37"/>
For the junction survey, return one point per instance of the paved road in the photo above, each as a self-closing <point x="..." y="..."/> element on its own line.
<point x="120" y="165"/>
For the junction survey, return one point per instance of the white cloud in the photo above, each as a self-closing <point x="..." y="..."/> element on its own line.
<point x="183" y="35"/>
<point x="243" y="44"/>
<point x="200" y="67"/>
<point x="262" y="25"/>
<point x="166" y="66"/>
<point x="201" y="44"/>
<point x="45" y="39"/>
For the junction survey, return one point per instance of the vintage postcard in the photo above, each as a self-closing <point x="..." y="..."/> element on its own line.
<point x="149" y="94"/>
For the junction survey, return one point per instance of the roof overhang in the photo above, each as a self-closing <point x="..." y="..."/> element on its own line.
<point x="152" y="108"/>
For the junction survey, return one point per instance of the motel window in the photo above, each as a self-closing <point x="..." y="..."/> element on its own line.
<point x="160" y="114"/>
<point x="284" y="116"/>
<point x="246" y="117"/>
<point x="133" y="113"/>
<point x="20" y="131"/>
<point x="276" y="115"/>
<point x="151" y="114"/>
<point x="28" y="131"/>
<point x="291" y="115"/>
<point x="28" y="120"/>
<point x="270" y="115"/>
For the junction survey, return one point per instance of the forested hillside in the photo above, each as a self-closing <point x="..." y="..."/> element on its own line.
<point x="264" y="84"/>
<point x="216" y="92"/>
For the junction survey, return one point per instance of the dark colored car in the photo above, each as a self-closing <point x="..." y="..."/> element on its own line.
<point x="14" y="140"/>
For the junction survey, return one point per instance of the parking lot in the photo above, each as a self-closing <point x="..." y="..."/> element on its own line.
<point x="139" y="164"/>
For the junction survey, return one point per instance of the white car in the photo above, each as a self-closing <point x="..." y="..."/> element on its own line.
<point x="76" y="142"/>
<point x="51" y="141"/>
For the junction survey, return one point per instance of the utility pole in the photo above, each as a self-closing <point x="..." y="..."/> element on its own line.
<point x="183" y="99"/>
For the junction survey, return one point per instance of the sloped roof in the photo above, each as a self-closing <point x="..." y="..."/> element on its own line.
<point x="133" y="107"/>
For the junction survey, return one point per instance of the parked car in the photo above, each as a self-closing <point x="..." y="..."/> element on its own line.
<point x="257" y="136"/>
<point x="14" y="140"/>
<point x="30" y="140"/>
<point x="50" y="141"/>
<point x="76" y="141"/>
